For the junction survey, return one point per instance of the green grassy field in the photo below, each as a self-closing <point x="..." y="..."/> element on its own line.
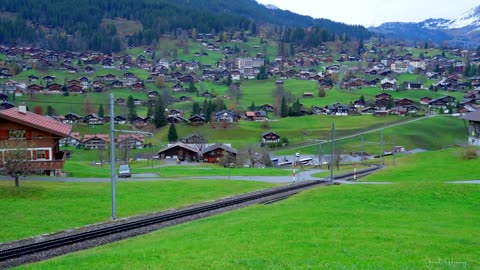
<point x="444" y="129"/>
<point x="418" y="222"/>
<point x="42" y="207"/>
<point x="296" y="129"/>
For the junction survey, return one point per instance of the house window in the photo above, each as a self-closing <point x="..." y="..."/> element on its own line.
<point x="17" y="134"/>
<point x="41" y="154"/>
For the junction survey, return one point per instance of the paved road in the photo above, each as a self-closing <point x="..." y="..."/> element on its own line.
<point x="300" y="177"/>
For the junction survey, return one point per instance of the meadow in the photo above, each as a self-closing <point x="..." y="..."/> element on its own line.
<point x="43" y="207"/>
<point x="417" y="222"/>
<point x="432" y="133"/>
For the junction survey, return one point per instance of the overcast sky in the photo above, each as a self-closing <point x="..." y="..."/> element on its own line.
<point x="375" y="12"/>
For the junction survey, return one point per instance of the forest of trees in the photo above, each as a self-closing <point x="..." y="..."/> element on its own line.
<point x="69" y="25"/>
<point x="77" y="25"/>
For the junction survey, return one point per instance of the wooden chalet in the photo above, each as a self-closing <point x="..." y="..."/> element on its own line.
<point x="194" y="139"/>
<point x="213" y="153"/>
<point x="93" y="119"/>
<point x="250" y="116"/>
<point x="338" y="109"/>
<point x="71" y="118"/>
<point x="197" y="119"/>
<point x="130" y="141"/>
<point x="442" y="102"/>
<point x="179" y="150"/>
<point x="226" y="116"/>
<point x="403" y="102"/>
<point x="42" y="135"/>
<point x="95" y="141"/>
<point x="270" y="137"/>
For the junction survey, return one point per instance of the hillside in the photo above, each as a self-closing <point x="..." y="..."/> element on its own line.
<point x="55" y="25"/>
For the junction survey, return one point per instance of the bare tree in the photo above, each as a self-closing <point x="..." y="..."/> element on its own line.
<point x="102" y="155"/>
<point x="124" y="153"/>
<point x="14" y="158"/>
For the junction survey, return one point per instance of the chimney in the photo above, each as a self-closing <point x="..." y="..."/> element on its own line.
<point x="22" y="108"/>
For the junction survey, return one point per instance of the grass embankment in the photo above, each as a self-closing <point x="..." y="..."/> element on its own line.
<point x="418" y="222"/>
<point x="433" y="133"/>
<point x="40" y="207"/>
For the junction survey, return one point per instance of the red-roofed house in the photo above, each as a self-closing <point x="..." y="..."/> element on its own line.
<point x="42" y="134"/>
<point x="96" y="141"/>
<point x="130" y="141"/>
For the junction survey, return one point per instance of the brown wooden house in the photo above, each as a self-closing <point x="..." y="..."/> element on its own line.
<point x="214" y="152"/>
<point x="179" y="150"/>
<point x="42" y="135"/>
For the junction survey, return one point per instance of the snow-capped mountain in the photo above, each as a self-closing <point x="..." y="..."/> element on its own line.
<point x="462" y="31"/>
<point x="273" y="7"/>
<point x="470" y="19"/>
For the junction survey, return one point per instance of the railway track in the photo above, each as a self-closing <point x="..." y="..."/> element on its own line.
<point x="28" y="252"/>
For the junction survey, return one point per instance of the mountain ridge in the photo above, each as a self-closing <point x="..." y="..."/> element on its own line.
<point x="462" y="31"/>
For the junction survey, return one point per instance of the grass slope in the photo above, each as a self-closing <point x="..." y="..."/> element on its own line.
<point x="410" y="224"/>
<point x="40" y="207"/>
<point x="444" y="129"/>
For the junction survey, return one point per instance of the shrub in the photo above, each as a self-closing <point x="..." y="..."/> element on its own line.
<point x="469" y="153"/>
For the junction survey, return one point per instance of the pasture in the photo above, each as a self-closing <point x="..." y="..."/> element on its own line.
<point x="418" y="222"/>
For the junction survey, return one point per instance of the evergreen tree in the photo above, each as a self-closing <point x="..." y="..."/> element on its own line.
<point x="150" y="109"/>
<point x="101" y="112"/>
<point x="262" y="75"/>
<point x="172" y="133"/>
<point x="252" y="106"/>
<point x="131" y="108"/>
<point x="50" y="111"/>
<point x="192" y="88"/>
<point x="160" y="119"/>
<point x="195" y="108"/>
<point x="283" y="108"/>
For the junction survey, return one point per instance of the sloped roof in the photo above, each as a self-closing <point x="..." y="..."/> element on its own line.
<point x="473" y="116"/>
<point x="103" y="137"/>
<point x="190" y="147"/>
<point x="34" y="120"/>
<point x="217" y="146"/>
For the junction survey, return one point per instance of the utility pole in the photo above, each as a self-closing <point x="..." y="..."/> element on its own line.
<point x="394" y="147"/>
<point x="381" y="147"/>
<point x="363" y="149"/>
<point x="112" y="157"/>
<point x="333" y="153"/>
<point x="112" y="153"/>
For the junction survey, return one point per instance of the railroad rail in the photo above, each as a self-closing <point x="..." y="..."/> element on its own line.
<point x="267" y="197"/>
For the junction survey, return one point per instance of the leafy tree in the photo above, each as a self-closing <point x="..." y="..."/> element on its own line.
<point x="101" y="112"/>
<point x="172" y="133"/>
<point x="87" y="106"/>
<point x="219" y="104"/>
<point x="15" y="159"/>
<point x="132" y="113"/>
<point x="321" y="92"/>
<point x="362" y="98"/>
<point x="38" y="110"/>
<point x="160" y="82"/>
<point x="160" y="119"/>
